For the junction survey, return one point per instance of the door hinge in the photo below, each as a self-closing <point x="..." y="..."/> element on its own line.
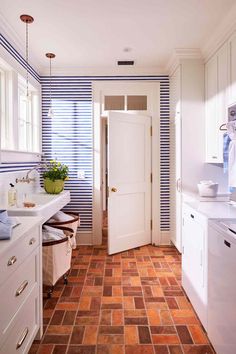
<point x="151" y="130"/>
<point x="151" y="177"/>
<point x="183" y="250"/>
<point x="108" y="192"/>
<point x="151" y="224"/>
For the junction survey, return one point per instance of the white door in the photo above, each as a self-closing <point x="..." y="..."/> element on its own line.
<point x="129" y="181"/>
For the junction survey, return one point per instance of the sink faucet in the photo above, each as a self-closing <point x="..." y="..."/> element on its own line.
<point x="27" y="179"/>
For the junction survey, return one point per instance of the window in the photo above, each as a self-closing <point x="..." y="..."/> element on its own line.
<point x="6" y="109"/>
<point x="28" y="117"/>
<point x="19" y="116"/>
<point x="115" y="103"/>
<point x="137" y="103"/>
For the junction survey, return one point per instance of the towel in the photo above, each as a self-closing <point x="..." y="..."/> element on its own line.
<point x="226" y="142"/>
<point x="6" y="225"/>
<point x="52" y="234"/>
<point x="232" y="163"/>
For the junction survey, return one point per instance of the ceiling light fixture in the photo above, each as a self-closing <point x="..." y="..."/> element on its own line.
<point x="27" y="19"/>
<point x="50" y="56"/>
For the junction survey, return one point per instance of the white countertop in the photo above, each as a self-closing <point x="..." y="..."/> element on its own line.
<point x="26" y="223"/>
<point x="214" y="210"/>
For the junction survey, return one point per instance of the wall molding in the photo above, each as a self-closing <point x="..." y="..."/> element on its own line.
<point x="84" y="238"/>
<point x="103" y="71"/>
<point x="182" y="54"/>
<point x="225" y="29"/>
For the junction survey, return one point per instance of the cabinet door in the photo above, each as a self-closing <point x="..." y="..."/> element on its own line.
<point x="175" y="158"/>
<point x="216" y="103"/>
<point x="222" y="73"/>
<point x="193" y="262"/>
<point x="232" y="69"/>
<point x="212" y="127"/>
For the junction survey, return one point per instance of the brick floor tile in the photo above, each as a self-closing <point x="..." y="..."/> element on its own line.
<point x="144" y="335"/>
<point x="128" y="303"/>
<point x="81" y="349"/>
<point x="131" y="335"/>
<point x="139" y="349"/>
<point x="59" y="349"/>
<point x="184" y="335"/>
<point x="198" y="335"/>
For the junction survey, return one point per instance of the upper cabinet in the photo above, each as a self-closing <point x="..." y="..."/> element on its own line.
<point x="216" y="84"/>
<point x="220" y="93"/>
<point x="232" y="69"/>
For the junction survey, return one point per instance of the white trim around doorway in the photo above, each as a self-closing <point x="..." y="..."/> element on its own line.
<point x="152" y="90"/>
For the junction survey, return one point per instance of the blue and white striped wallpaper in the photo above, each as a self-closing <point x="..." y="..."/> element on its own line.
<point x="68" y="136"/>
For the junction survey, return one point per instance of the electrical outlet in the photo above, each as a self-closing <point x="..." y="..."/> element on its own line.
<point x="81" y="174"/>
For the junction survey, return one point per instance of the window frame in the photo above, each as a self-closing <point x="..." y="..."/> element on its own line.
<point x="13" y="154"/>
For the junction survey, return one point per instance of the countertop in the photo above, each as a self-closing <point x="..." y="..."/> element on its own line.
<point x="214" y="210"/>
<point x="26" y="223"/>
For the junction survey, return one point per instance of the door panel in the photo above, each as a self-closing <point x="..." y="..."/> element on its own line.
<point x="129" y="170"/>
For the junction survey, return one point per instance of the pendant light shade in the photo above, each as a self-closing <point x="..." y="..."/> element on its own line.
<point x="27" y="19"/>
<point x="50" y="56"/>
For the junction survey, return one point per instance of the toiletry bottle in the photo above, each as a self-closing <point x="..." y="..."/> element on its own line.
<point x="12" y="195"/>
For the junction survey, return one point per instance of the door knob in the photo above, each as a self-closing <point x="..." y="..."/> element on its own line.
<point x="113" y="189"/>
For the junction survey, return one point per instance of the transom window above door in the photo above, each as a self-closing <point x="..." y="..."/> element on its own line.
<point x="125" y="103"/>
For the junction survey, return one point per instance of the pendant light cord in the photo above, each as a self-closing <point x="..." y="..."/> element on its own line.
<point x="27" y="59"/>
<point x="50" y="66"/>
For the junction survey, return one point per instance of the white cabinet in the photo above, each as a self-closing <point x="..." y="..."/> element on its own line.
<point x="194" y="260"/>
<point x="216" y="83"/>
<point x="186" y="127"/>
<point x="175" y="157"/>
<point x="232" y="69"/>
<point x="21" y="287"/>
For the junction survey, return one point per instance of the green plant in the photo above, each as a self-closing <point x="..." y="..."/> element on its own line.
<point x="56" y="170"/>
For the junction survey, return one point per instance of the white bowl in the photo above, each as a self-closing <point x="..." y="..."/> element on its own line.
<point x="208" y="190"/>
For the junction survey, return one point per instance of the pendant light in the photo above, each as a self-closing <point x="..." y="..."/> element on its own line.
<point x="50" y="56"/>
<point x="27" y="19"/>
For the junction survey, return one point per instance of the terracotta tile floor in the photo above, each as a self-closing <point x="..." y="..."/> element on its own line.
<point x="130" y="303"/>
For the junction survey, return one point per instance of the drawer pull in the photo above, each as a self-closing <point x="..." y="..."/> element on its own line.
<point x="21" y="288"/>
<point x="32" y="241"/>
<point x="12" y="260"/>
<point x="21" y="341"/>
<point x="192" y="216"/>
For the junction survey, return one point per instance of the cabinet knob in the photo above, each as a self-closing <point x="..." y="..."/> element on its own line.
<point x="22" y="339"/>
<point x="113" y="189"/>
<point x="21" y="288"/>
<point x="12" y="260"/>
<point x="32" y="241"/>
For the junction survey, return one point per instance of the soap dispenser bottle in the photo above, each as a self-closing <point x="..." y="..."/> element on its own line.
<point x="12" y="195"/>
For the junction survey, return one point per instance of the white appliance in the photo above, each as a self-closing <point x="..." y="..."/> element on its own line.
<point x="222" y="286"/>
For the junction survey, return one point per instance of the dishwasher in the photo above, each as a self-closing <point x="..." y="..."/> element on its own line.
<point x="222" y="286"/>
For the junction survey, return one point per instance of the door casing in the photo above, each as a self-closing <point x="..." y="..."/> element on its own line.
<point x="152" y="90"/>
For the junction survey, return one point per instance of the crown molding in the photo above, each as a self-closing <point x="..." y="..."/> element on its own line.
<point x="16" y="41"/>
<point x="102" y="71"/>
<point x="222" y="33"/>
<point x="180" y="54"/>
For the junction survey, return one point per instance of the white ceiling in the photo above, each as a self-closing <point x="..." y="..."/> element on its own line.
<point x="94" y="33"/>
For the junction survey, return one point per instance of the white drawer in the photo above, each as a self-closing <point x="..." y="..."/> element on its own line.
<point x="16" y="289"/>
<point x="12" y="259"/>
<point x="25" y="327"/>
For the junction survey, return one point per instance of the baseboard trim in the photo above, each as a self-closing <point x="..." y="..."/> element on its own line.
<point x="165" y="238"/>
<point x="84" y="238"/>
